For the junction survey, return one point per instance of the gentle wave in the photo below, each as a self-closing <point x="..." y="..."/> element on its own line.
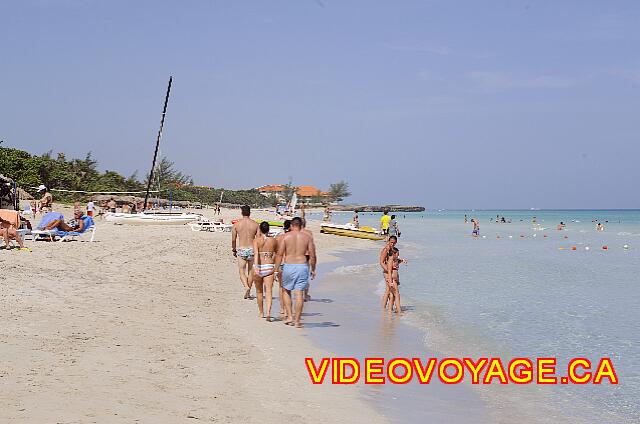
<point x="354" y="269"/>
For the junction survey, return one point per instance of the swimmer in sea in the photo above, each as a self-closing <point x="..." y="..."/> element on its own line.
<point x="476" y="227"/>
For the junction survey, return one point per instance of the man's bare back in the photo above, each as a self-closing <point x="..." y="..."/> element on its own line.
<point x="296" y="246"/>
<point x="244" y="231"/>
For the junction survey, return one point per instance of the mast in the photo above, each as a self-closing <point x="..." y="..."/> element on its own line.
<point x="155" y="153"/>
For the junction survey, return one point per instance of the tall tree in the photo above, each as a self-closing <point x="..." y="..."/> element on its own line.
<point x="165" y="175"/>
<point x="339" y="191"/>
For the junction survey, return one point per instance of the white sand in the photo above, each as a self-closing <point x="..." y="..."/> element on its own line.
<point x="148" y="324"/>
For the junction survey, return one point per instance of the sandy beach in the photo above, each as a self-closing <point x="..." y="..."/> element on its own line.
<point x="147" y="324"/>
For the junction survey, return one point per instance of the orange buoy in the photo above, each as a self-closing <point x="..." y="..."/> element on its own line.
<point x="574" y="248"/>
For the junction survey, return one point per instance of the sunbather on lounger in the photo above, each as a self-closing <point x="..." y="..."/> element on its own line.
<point x="60" y="225"/>
<point x="8" y="232"/>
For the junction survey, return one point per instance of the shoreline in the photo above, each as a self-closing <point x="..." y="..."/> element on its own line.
<point x="360" y="329"/>
<point x="149" y="324"/>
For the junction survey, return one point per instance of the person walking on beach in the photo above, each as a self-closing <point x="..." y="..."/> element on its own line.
<point x="356" y="221"/>
<point x="384" y="223"/>
<point x="244" y="231"/>
<point x="307" y="231"/>
<point x="279" y="239"/>
<point x="296" y="270"/>
<point x="112" y="205"/>
<point x="265" y="248"/>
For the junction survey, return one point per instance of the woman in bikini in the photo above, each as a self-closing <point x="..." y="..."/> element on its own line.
<point x="264" y="248"/>
<point x="393" y="279"/>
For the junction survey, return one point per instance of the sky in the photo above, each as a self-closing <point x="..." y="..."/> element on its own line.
<point x="465" y="104"/>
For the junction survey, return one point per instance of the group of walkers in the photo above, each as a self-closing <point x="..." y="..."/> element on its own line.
<point x="288" y="259"/>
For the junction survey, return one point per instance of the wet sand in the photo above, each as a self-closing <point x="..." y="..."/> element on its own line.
<point x="348" y="302"/>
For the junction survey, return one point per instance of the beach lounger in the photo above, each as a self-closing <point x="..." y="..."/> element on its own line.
<point x="89" y="227"/>
<point x="215" y="227"/>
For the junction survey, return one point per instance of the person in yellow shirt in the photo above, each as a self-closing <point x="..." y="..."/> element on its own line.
<point x="384" y="223"/>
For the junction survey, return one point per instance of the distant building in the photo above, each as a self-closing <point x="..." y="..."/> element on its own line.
<point x="306" y="193"/>
<point x="272" y="190"/>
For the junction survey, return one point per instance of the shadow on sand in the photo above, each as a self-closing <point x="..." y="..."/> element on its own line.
<point x="321" y="300"/>
<point x="325" y="324"/>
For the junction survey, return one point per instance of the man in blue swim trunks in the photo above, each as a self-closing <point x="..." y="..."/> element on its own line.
<point x="296" y="271"/>
<point x="244" y="231"/>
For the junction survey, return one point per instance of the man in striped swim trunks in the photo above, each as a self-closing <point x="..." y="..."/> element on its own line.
<point x="243" y="233"/>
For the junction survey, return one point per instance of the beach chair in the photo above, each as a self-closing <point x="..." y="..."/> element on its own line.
<point x="89" y="227"/>
<point x="40" y="232"/>
<point x="214" y="227"/>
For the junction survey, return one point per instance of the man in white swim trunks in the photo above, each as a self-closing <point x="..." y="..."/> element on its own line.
<point x="296" y="270"/>
<point x="244" y="231"/>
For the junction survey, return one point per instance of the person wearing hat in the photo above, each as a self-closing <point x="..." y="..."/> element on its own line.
<point x="46" y="203"/>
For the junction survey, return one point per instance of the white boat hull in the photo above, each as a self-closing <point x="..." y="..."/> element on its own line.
<point x="150" y="219"/>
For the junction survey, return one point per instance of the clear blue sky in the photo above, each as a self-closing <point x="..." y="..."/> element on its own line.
<point x="446" y="104"/>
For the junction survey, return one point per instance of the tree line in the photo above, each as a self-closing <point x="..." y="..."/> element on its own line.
<point x="58" y="172"/>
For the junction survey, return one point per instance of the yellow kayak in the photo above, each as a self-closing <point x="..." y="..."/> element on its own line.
<point x="349" y="230"/>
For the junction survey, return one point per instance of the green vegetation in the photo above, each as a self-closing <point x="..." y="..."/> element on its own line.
<point x="339" y="191"/>
<point x="83" y="175"/>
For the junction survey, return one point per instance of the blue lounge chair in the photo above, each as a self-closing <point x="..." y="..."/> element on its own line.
<point x="89" y="226"/>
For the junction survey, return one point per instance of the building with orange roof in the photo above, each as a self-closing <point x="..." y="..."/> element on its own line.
<point x="306" y="193"/>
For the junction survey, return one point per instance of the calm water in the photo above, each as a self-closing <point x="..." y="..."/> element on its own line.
<point x="524" y="294"/>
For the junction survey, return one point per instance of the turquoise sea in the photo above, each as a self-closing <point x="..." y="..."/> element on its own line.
<point x="520" y="290"/>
